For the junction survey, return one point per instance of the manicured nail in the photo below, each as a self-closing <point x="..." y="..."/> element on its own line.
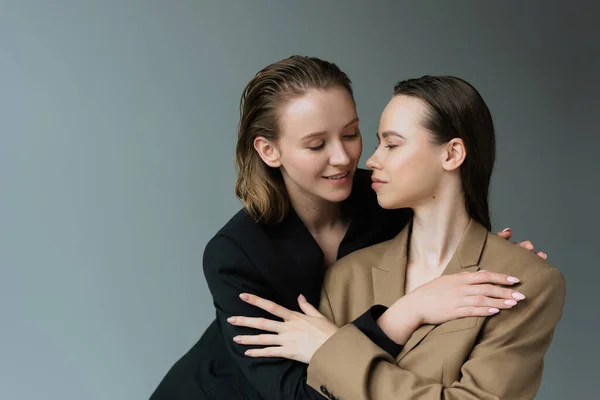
<point x="510" y="302"/>
<point x="302" y="298"/>
<point x="493" y="310"/>
<point x="544" y="255"/>
<point x="518" y="296"/>
<point x="244" y="296"/>
<point x="248" y="352"/>
<point x="231" y="320"/>
<point x="505" y="229"/>
<point x="512" y="279"/>
<point x="237" y="339"/>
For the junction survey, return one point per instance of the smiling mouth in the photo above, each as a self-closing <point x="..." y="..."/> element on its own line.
<point x="338" y="176"/>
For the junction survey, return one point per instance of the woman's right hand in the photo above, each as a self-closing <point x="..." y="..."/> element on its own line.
<point x="449" y="297"/>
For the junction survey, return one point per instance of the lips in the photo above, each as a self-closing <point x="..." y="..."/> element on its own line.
<point x="377" y="180"/>
<point x="337" y="176"/>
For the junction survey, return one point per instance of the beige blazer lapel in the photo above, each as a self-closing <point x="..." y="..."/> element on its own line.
<point x="465" y="258"/>
<point x="390" y="275"/>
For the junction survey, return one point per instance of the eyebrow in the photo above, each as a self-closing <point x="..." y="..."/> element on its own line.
<point x="319" y="133"/>
<point x="389" y="133"/>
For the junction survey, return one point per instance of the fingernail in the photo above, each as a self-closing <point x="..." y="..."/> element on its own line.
<point x="505" y="229"/>
<point x="510" y="302"/>
<point x="302" y="298"/>
<point x="512" y="279"/>
<point x="231" y="320"/>
<point x="544" y="255"/>
<point x="518" y="296"/>
<point x="244" y="296"/>
<point x="237" y="339"/>
<point x="493" y="310"/>
<point x="248" y="352"/>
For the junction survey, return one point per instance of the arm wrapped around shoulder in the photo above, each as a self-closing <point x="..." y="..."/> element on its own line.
<point x="506" y="361"/>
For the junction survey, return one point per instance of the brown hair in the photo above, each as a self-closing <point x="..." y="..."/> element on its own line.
<point x="457" y="110"/>
<point x="260" y="187"/>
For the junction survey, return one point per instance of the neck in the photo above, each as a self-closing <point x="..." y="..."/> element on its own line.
<point x="316" y="214"/>
<point x="438" y="227"/>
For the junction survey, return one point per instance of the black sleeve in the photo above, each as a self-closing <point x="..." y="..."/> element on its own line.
<point x="229" y="273"/>
<point x="367" y="323"/>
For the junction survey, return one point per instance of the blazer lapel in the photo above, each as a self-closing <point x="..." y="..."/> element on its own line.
<point x="390" y="275"/>
<point x="465" y="258"/>
<point x="292" y="260"/>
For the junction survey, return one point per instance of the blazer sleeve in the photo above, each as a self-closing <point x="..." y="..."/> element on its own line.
<point x="506" y="362"/>
<point x="229" y="273"/>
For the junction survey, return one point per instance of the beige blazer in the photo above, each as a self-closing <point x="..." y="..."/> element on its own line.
<point x="475" y="358"/>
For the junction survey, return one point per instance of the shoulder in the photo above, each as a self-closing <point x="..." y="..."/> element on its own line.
<point x="500" y="255"/>
<point x="229" y="243"/>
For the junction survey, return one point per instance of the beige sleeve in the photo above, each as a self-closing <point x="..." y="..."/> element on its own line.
<point x="506" y="362"/>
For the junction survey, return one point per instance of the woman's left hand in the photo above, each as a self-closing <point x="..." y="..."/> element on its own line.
<point x="296" y="338"/>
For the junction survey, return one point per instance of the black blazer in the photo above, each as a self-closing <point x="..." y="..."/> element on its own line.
<point x="277" y="262"/>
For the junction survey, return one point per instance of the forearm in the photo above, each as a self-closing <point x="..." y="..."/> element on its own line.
<point x="399" y="321"/>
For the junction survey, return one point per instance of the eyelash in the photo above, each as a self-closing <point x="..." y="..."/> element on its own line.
<point x="350" y="137"/>
<point x="388" y="146"/>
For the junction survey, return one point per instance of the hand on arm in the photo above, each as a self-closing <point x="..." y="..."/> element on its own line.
<point x="446" y="298"/>
<point x="296" y="338"/>
<point x="229" y="272"/>
<point x="526" y="244"/>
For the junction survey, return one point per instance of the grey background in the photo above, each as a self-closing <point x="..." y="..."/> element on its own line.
<point x="118" y="123"/>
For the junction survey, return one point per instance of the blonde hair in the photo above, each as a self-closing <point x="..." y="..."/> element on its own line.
<point x="260" y="187"/>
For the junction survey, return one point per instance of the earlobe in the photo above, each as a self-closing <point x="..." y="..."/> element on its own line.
<point x="267" y="152"/>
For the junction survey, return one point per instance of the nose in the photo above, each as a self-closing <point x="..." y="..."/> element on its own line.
<point x="373" y="162"/>
<point x="339" y="155"/>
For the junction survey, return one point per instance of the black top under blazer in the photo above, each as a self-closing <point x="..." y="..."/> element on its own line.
<point x="278" y="262"/>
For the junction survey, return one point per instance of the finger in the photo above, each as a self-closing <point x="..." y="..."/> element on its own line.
<point x="265" y="340"/>
<point x="474" y="278"/>
<point x="505" y="234"/>
<point x="258" y="323"/>
<point x="489" y="302"/>
<point x="268" y="352"/>
<point x="526" y="244"/>
<point x="476" y="311"/>
<point x="542" y="254"/>
<point x="493" y="291"/>
<point x="267" y="305"/>
<point x="308" y="308"/>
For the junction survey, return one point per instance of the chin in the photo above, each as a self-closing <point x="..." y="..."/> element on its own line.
<point x="389" y="204"/>
<point x="338" y="196"/>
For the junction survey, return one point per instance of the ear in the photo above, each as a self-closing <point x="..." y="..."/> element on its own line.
<point x="454" y="154"/>
<point x="267" y="151"/>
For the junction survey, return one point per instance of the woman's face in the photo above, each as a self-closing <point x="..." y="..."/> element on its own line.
<point x="407" y="166"/>
<point x="319" y="145"/>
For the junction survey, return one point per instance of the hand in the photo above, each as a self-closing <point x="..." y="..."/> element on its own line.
<point x="507" y="233"/>
<point x="446" y="298"/>
<point x="297" y="338"/>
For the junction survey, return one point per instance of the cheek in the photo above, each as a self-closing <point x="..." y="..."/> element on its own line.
<point x="303" y="165"/>
<point x="409" y="171"/>
<point x="355" y="149"/>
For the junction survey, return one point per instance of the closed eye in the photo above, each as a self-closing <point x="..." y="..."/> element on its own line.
<point x="317" y="148"/>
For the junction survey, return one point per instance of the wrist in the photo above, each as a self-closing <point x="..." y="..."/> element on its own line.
<point x="414" y="317"/>
<point x="399" y="321"/>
